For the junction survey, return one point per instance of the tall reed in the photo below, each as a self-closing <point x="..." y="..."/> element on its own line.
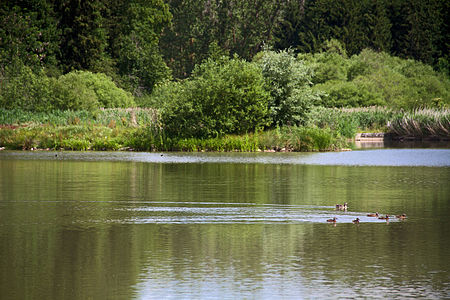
<point x="421" y="123"/>
<point x="128" y="117"/>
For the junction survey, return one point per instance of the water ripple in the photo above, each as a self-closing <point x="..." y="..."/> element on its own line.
<point x="226" y="213"/>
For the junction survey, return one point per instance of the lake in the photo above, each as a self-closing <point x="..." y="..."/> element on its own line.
<point x="124" y="225"/>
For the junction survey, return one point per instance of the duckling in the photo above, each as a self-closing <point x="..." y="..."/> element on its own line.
<point x="356" y="221"/>
<point x="332" y="220"/>
<point x="384" y="218"/>
<point x="401" y="217"/>
<point x="341" y="206"/>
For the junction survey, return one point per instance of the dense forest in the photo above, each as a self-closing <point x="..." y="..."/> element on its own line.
<point x="213" y="67"/>
<point x="139" y="43"/>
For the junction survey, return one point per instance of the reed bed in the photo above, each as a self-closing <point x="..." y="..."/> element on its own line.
<point x="128" y="117"/>
<point x="348" y="121"/>
<point x="421" y="123"/>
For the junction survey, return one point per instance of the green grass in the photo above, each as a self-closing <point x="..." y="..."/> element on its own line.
<point x="148" y="138"/>
<point x="127" y="117"/>
<point x="139" y="129"/>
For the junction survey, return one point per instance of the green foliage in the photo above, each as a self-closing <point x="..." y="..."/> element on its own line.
<point x="347" y="94"/>
<point x="289" y="83"/>
<point x="372" y="78"/>
<point x="28" y="34"/>
<point x="134" y="43"/>
<point x="84" y="37"/>
<point x="293" y="138"/>
<point x="347" y="121"/>
<point x="331" y="64"/>
<point x="111" y="117"/>
<point x="21" y="88"/>
<point x="222" y="97"/>
<point x="83" y="90"/>
<point x="238" y="27"/>
<point x="70" y="137"/>
<point x="356" y="24"/>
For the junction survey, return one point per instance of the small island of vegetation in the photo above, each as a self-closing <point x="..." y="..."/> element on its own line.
<point x="199" y="76"/>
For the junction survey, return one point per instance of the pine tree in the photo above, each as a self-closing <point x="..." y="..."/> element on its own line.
<point x="84" y="36"/>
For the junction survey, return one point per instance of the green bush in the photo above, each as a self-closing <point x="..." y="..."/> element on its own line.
<point x="376" y="78"/>
<point x="331" y="64"/>
<point x="225" y="96"/>
<point x="289" y="83"/>
<point x="402" y="83"/>
<point x="347" y="94"/>
<point x="83" y="90"/>
<point x="21" y="88"/>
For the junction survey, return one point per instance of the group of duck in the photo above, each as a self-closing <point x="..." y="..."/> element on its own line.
<point x="344" y="207"/>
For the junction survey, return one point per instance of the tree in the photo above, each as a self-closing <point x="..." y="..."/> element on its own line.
<point x="239" y="27"/>
<point x="28" y="33"/>
<point x="358" y="24"/>
<point x="83" y="34"/>
<point x="134" y="43"/>
<point x="419" y="29"/>
<point x="289" y="82"/>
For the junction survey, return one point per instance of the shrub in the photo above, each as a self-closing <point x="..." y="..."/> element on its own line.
<point x="289" y="83"/>
<point x="331" y="64"/>
<point x="21" y="88"/>
<point x="376" y="78"/>
<point x="83" y="90"/>
<point x="347" y="94"/>
<point x="225" y="96"/>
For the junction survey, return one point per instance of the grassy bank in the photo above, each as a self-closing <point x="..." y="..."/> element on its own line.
<point x="119" y="129"/>
<point x="149" y="138"/>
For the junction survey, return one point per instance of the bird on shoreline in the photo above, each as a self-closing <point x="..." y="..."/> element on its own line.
<point x="341" y="206"/>
<point x="401" y="217"/>
<point x="356" y="221"/>
<point x="373" y="215"/>
<point x="332" y="220"/>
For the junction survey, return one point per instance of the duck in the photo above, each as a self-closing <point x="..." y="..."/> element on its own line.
<point x="384" y="218"/>
<point x="356" y="221"/>
<point x="373" y="215"/>
<point x="332" y="220"/>
<point x="341" y="206"/>
<point x="401" y="217"/>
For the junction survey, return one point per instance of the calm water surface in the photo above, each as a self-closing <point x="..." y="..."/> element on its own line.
<point x="231" y="226"/>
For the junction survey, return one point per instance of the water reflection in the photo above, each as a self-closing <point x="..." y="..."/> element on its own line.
<point x="378" y="157"/>
<point x="84" y="229"/>
<point x="237" y="213"/>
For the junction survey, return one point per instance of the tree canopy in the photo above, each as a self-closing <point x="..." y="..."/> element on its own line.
<point x="141" y="43"/>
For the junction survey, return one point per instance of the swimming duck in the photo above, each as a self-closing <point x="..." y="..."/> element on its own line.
<point x="332" y="220"/>
<point x="401" y="217"/>
<point x="384" y="218"/>
<point x="373" y="215"/>
<point x="356" y="221"/>
<point x="341" y="206"/>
